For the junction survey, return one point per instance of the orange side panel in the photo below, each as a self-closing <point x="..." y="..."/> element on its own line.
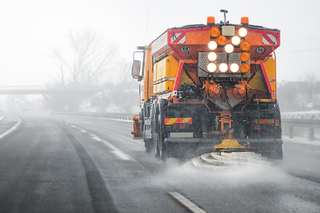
<point x="148" y="76"/>
<point x="270" y="66"/>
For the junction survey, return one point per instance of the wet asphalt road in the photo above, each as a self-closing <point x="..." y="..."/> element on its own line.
<point x="70" y="164"/>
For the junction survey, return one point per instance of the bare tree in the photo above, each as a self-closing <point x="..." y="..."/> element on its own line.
<point x="119" y="95"/>
<point x="311" y="79"/>
<point x="87" y="58"/>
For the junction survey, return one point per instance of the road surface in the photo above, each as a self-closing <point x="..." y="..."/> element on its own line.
<point x="77" y="164"/>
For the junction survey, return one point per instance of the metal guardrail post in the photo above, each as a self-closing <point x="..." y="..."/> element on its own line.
<point x="311" y="134"/>
<point x="290" y="132"/>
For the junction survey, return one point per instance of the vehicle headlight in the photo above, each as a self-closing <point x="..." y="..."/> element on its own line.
<point x="211" y="67"/>
<point x="229" y="48"/>
<point x="212" y="45"/>
<point x="242" y="32"/>
<point x="223" y="67"/>
<point x="234" y="67"/>
<point x="212" y="56"/>
<point x="236" y="40"/>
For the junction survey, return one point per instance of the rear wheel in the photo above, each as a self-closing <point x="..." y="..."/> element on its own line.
<point x="276" y="153"/>
<point x="148" y="144"/>
<point x="156" y="145"/>
<point x="162" y="148"/>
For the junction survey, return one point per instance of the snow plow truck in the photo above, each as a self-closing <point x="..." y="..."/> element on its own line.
<point x="209" y="87"/>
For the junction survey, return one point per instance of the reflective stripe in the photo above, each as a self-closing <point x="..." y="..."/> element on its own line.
<point x="269" y="39"/>
<point x="170" y="121"/>
<point x="178" y="38"/>
<point x="266" y="121"/>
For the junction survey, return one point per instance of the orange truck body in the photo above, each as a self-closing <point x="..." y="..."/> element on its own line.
<point x="201" y="84"/>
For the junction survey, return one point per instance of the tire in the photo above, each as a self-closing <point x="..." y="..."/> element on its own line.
<point x="159" y="147"/>
<point x="148" y="144"/>
<point x="277" y="154"/>
<point x="162" y="148"/>
<point x="156" y="145"/>
<point x="154" y="129"/>
<point x="160" y="140"/>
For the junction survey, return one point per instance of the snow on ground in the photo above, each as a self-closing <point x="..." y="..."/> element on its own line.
<point x="301" y="115"/>
<point x="300" y="140"/>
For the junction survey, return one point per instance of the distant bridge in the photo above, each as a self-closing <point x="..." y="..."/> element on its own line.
<point x="46" y="90"/>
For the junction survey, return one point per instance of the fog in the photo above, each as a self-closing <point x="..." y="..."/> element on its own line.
<point x="31" y="29"/>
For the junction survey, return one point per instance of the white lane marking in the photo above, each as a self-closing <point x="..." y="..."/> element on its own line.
<point x="187" y="203"/>
<point x="11" y="129"/>
<point x="84" y="131"/>
<point x="130" y="121"/>
<point x="115" y="150"/>
<point x="73" y="126"/>
<point x="96" y="138"/>
<point x="119" y="153"/>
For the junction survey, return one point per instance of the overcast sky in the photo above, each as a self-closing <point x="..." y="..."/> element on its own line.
<point x="30" y="29"/>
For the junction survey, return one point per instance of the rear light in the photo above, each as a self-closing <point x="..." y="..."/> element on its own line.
<point x="258" y="127"/>
<point x="181" y="126"/>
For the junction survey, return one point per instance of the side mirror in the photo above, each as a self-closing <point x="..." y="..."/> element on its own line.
<point x="136" y="67"/>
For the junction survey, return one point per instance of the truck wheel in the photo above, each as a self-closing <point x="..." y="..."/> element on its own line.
<point x="277" y="154"/>
<point x="154" y="127"/>
<point x="156" y="145"/>
<point x="162" y="149"/>
<point x="162" y="146"/>
<point x="148" y="144"/>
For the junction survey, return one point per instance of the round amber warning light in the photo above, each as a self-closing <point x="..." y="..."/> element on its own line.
<point x="245" y="46"/>
<point x="214" y="32"/>
<point x="244" y="56"/>
<point x="245" y="67"/>
<point x="221" y="40"/>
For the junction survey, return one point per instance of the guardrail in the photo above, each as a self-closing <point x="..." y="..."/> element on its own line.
<point x="120" y="116"/>
<point x="295" y="124"/>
